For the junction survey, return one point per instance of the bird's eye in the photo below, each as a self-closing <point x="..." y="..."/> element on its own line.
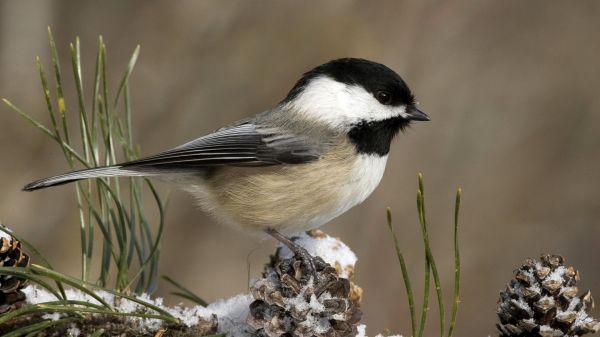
<point x="384" y="97"/>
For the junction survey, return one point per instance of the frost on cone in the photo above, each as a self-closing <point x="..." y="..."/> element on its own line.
<point x="542" y="301"/>
<point x="11" y="255"/>
<point x="288" y="302"/>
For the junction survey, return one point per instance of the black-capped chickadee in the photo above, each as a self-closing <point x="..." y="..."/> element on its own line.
<point x="319" y="152"/>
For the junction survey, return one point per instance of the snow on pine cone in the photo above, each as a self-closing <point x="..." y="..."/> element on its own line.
<point x="11" y="255"/>
<point x="542" y="301"/>
<point x="288" y="302"/>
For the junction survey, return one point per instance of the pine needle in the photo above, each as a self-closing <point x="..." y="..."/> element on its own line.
<point x="184" y="292"/>
<point x="405" y="275"/>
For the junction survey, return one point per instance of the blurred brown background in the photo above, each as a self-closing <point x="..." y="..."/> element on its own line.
<point x="512" y="88"/>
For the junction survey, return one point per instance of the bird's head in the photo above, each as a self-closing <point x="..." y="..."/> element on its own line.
<point x="366" y="99"/>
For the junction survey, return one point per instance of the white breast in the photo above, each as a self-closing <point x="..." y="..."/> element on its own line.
<point x="366" y="175"/>
<point x="364" y="178"/>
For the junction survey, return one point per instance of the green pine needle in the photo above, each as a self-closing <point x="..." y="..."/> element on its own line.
<point x="405" y="275"/>
<point x="430" y="270"/>
<point x="97" y="333"/>
<point x="429" y="255"/>
<point x="456" y="301"/>
<point x="184" y="292"/>
<point x="127" y="235"/>
<point x="130" y="250"/>
<point x="36" y="328"/>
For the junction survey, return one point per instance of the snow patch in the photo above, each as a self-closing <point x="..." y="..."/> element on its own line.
<point x="362" y="332"/>
<point x="4" y="234"/>
<point x="557" y="274"/>
<point x="51" y="317"/>
<point x="73" y="332"/>
<point x="231" y="313"/>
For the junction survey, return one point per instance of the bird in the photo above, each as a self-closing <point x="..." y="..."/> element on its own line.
<point x="319" y="152"/>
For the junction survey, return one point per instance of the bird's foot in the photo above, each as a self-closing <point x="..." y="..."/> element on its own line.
<point x="312" y="263"/>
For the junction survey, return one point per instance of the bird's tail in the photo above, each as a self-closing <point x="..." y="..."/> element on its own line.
<point x="107" y="171"/>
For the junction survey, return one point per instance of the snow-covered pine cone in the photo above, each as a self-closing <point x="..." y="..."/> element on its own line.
<point x="11" y="255"/>
<point x="289" y="303"/>
<point x="542" y="301"/>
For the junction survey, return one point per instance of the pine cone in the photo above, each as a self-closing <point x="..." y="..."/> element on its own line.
<point x="11" y="255"/>
<point x="332" y="250"/>
<point x="288" y="302"/>
<point x="542" y="301"/>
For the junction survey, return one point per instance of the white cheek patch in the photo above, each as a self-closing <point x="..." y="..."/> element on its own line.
<point x="341" y="105"/>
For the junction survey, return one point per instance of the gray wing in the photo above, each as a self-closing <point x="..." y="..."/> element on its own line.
<point x="242" y="144"/>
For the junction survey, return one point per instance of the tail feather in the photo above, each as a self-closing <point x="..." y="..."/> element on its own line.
<point x="107" y="171"/>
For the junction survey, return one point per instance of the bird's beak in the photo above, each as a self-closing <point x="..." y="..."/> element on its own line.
<point x="415" y="114"/>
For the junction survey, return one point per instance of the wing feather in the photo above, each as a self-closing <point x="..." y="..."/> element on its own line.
<point x="240" y="145"/>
